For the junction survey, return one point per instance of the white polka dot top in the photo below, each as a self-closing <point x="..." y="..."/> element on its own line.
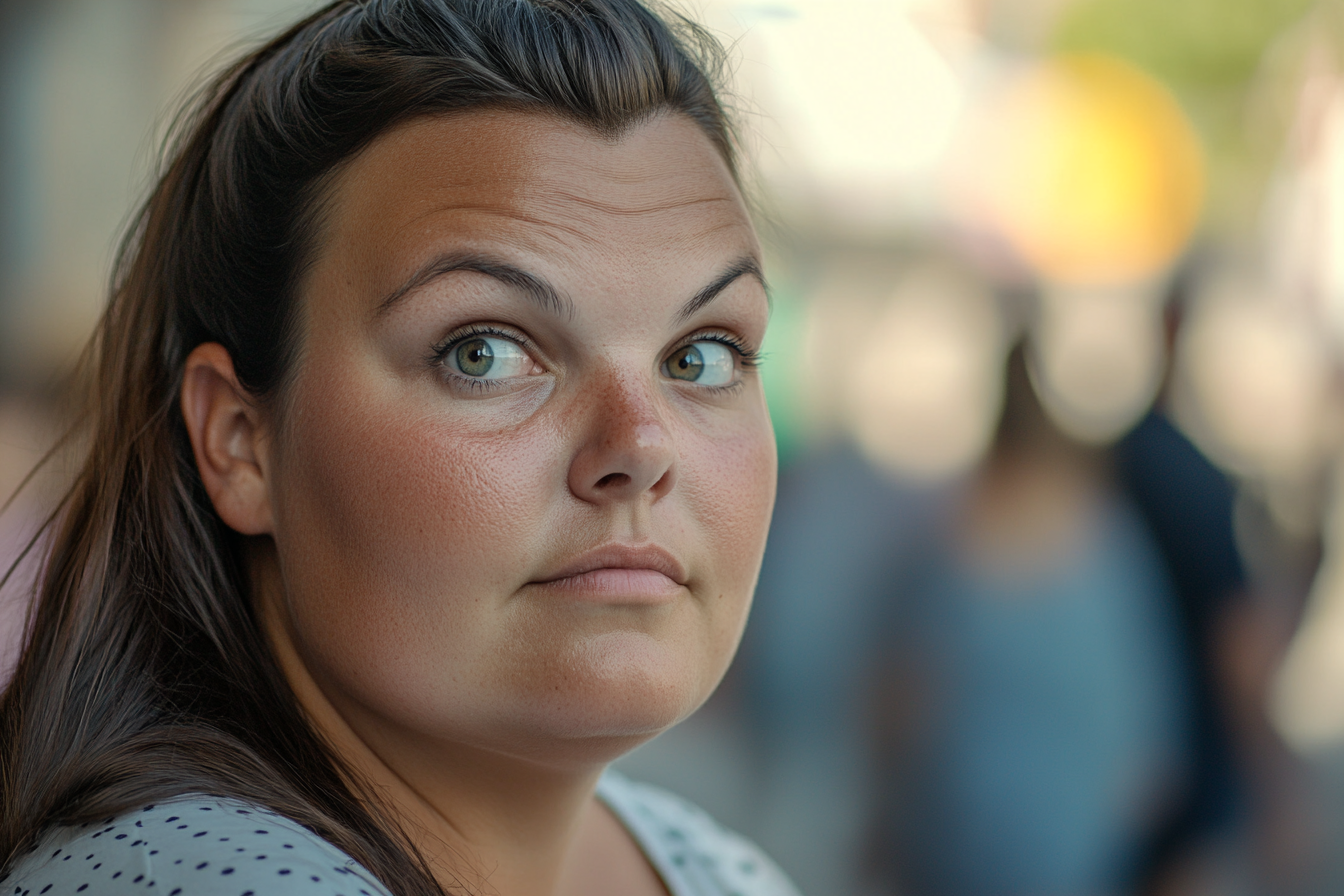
<point x="206" y="846"/>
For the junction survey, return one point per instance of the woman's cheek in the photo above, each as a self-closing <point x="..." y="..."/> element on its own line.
<point x="733" y="491"/>
<point x="402" y="533"/>
<point x="424" y="502"/>
<point x="729" y="488"/>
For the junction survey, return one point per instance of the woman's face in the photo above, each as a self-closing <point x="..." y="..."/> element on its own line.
<point x="522" y="482"/>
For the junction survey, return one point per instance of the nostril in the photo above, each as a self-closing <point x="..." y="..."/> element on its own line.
<point x="613" y="479"/>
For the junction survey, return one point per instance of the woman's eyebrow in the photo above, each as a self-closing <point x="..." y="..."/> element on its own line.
<point x="533" y="286"/>
<point x="746" y="265"/>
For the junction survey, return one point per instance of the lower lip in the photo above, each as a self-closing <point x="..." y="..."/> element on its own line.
<point x="616" y="586"/>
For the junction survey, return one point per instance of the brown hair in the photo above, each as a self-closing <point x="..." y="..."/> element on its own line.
<point x="145" y="673"/>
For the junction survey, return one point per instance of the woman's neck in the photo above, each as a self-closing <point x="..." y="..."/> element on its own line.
<point x="484" y="821"/>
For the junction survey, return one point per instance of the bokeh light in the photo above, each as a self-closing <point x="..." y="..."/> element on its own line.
<point x="1095" y="175"/>
<point x="1098" y="357"/>
<point x="1254" y="386"/>
<point x="922" y="388"/>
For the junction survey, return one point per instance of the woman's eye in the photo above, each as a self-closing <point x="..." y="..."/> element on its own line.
<point x="706" y="363"/>
<point x="488" y="358"/>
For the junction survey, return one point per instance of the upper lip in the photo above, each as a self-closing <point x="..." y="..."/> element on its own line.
<point x="621" y="556"/>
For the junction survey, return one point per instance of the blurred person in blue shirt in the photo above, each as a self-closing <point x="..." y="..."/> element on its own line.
<point x="1036" y="641"/>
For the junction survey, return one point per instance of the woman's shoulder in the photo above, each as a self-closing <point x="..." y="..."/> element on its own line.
<point x="694" y="854"/>
<point x="211" y="846"/>
<point x="198" y="845"/>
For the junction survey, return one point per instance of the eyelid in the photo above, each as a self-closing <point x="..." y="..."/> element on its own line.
<point x="440" y="349"/>
<point x="439" y="354"/>
<point x="748" y="357"/>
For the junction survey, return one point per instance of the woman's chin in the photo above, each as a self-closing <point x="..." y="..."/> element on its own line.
<point x="618" y="691"/>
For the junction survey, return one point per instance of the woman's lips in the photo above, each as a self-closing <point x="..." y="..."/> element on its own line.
<point x="620" y="585"/>
<point x="618" y="574"/>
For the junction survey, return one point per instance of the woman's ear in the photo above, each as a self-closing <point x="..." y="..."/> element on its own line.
<point x="227" y="436"/>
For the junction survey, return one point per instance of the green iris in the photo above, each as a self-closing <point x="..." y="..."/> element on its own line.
<point x="686" y="364"/>
<point x="475" y="357"/>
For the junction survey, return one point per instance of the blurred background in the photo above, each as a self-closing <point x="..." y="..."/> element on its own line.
<point x="1054" y="598"/>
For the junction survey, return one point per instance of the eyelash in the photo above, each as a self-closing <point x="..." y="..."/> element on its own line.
<point x="438" y="354"/>
<point x="440" y="350"/>
<point x="748" y="357"/>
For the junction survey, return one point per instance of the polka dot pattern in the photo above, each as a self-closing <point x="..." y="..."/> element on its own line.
<point x="205" y="846"/>
<point x="692" y="852"/>
<point x="194" y="846"/>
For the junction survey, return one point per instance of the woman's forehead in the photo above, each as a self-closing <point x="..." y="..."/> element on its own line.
<point x="545" y="184"/>
<point x="536" y="169"/>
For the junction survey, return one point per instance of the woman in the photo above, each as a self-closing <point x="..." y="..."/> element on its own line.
<point x="428" y="473"/>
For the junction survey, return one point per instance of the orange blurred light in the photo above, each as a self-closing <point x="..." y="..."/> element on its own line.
<point x="1091" y="171"/>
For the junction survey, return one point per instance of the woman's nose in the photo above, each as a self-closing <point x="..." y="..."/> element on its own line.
<point x="629" y="450"/>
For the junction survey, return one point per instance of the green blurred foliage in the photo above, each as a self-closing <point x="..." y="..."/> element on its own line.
<point x="782" y="368"/>
<point x="1187" y="43"/>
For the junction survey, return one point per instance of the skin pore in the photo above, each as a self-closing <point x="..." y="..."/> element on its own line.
<point x="518" y="486"/>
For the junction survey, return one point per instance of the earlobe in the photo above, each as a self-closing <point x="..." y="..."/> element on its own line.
<point x="228" y="439"/>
